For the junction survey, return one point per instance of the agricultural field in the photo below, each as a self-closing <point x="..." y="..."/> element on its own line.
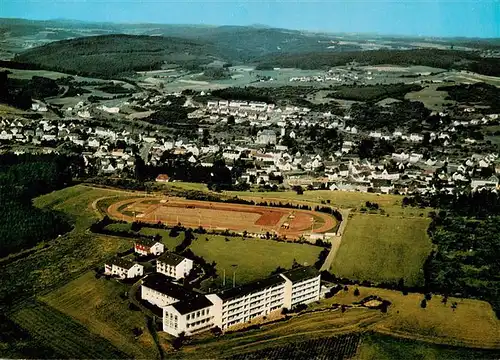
<point x="381" y="347"/>
<point x="58" y="331"/>
<point x="291" y="223"/>
<point x="255" y="258"/>
<point x="337" y="347"/>
<point x="98" y="305"/>
<point x="383" y="249"/>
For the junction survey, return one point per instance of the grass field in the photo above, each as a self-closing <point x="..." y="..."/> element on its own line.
<point x="255" y="258"/>
<point x="96" y="303"/>
<point x="67" y="337"/>
<point x="473" y="323"/>
<point x="383" y="249"/>
<point x="430" y="97"/>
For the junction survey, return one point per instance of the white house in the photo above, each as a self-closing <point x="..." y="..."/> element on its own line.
<point x="266" y="137"/>
<point x="416" y="138"/>
<point x="148" y="247"/>
<point x="123" y="268"/>
<point x="479" y="184"/>
<point x="174" y="265"/>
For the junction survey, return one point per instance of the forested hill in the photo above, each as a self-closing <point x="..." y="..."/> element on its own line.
<point x="111" y="55"/>
<point x="446" y="59"/>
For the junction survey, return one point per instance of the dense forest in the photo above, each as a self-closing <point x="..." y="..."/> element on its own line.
<point x="21" y="179"/>
<point x="113" y="55"/>
<point x="373" y="92"/>
<point x="404" y="114"/>
<point x="466" y="232"/>
<point x="475" y="94"/>
<point x="20" y="92"/>
<point x="445" y="59"/>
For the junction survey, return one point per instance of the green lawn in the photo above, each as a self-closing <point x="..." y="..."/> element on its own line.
<point x="255" y="258"/>
<point x="96" y="303"/>
<point x="383" y="249"/>
<point x="169" y="242"/>
<point x="119" y="227"/>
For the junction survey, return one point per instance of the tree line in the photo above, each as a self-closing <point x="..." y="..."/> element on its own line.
<point x="21" y="179"/>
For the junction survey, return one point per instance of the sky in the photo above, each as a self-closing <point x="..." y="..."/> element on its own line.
<point x="469" y="18"/>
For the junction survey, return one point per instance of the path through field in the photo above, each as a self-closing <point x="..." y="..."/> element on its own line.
<point x="336" y="240"/>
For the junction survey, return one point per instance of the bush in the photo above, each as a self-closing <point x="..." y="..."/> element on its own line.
<point x="423" y="304"/>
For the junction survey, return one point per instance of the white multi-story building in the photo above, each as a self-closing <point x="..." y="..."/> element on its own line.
<point x="241" y="304"/>
<point x="123" y="268"/>
<point x="174" y="265"/>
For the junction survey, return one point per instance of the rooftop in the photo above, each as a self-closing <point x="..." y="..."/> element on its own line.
<point x="251" y="287"/>
<point x="301" y="274"/>
<point x="197" y="303"/>
<point x="146" y="241"/>
<point x="164" y="285"/>
<point x="123" y="263"/>
<point x="171" y="258"/>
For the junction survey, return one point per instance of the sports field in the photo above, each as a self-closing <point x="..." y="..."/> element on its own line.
<point x="291" y="223"/>
<point x="383" y="249"/>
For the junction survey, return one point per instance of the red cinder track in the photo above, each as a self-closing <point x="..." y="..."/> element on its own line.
<point x="213" y="215"/>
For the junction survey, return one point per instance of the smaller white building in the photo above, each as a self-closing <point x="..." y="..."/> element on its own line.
<point x="124" y="269"/>
<point x="159" y="290"/>
<point x="148" y="247"/>
<point x="173" y="265"/>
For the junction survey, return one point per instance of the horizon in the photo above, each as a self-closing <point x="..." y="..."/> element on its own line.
<point x="440" y="18"/>
<point x="264" y="26"/>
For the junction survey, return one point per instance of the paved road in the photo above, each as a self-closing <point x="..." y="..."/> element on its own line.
<point x="336" y="241"/>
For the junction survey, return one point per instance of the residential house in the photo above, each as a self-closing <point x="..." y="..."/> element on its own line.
<point x="174" y="265"/>
<point x="146" y="246"/>
<point x="122" y="268"/>
<point x="265" y="137"/>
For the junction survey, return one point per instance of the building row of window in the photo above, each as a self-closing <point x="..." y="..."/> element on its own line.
<point x="199" y="322"/>
<point x="253" y="296"/>
<point x="307" y="290"/>
<point x="304" y="298"/>
<point x="197" y="314"/>
<point x="305" y="283"/>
